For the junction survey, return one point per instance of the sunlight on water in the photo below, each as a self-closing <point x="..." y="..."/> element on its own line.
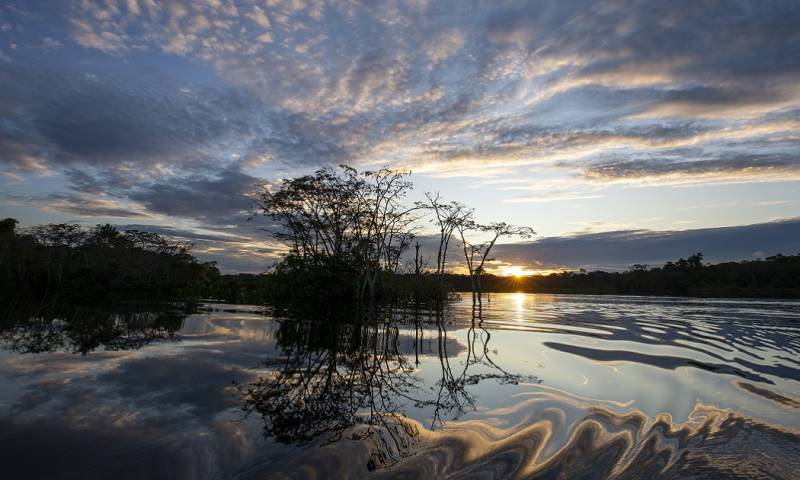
<point x="523" y="385"/>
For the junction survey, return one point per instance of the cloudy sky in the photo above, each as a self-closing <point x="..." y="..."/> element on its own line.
<point x="622" y="131"/>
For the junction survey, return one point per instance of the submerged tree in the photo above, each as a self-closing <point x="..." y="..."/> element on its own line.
<point x="341" y="221"/>
<point x="346" y="232"/>
<point x="448" y="217"/>
<point x="477" y="254"/>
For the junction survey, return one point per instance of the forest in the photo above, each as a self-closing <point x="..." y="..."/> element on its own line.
<point x="776" y="276"/>
<point x="73" y="263"/>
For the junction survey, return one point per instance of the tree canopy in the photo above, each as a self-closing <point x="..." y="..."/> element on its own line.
<point x="73" y="262"/>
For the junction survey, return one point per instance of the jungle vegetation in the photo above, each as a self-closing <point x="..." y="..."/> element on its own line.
<point x="73" y="263"/>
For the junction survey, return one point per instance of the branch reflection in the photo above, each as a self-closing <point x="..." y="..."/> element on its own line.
<point x="50" y="327"/>
<point x="355" y="378"/>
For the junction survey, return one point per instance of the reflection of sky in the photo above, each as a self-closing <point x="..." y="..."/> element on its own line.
<point x="171" y="407"/>
<point x="573" y="117"/>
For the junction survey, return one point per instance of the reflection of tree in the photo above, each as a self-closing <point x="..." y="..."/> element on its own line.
<point x="453" y="399"/>
<point x="352" y="378"/>
<point x="52" y="327"/>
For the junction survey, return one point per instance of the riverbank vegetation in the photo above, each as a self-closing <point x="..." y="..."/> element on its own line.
<point x="73" y="263"/>
<point x="773" y="277"/>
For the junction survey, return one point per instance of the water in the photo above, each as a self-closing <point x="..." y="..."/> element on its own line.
<point x="545" y="386"/>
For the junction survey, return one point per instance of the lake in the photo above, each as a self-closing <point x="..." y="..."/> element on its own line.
<point x="544" y="386"/>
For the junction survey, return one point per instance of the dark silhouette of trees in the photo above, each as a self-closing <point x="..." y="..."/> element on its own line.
<point x="477" y="254"/>
<point x="75" y="263"/>
<point x="447" y="217"/>
<point x="776" y="276"/>
<point x="346" y="232"/>
<point x="341" y="226"/>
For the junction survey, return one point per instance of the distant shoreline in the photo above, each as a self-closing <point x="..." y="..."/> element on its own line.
<point x="675" y="297"/>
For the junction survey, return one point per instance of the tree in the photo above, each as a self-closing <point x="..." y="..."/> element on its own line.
<point x="76" y="263"/>
<point x="476" y="255"/>
<point x="8" y="226"/>
<point x="447" y="216"/>
<point x="344" y="227"/>
<point x="343" y="221"/>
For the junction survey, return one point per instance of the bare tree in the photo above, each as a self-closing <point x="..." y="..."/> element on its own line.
<point x="447" y="216"/>
<point x="477" y="254"/>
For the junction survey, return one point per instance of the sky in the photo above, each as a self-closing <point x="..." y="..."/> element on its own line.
<point x="621" y="131"/>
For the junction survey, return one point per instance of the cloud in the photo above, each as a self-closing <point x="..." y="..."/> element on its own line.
<point x="723" y="168"/>
<point x="84" y="205"/>
<point x="239" y="248"/>
<point x="618" y="250"/>
<point x="342" y="86"/>
<point x="177" y="106"/>
<point x="104" y="122"/>
<point x="258" y="16"/>
<point x="551" y="196"/>
<point x="692" y="60"/>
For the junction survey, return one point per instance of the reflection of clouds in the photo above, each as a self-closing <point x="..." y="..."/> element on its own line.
<point x="110" y="449"/>
<point x="170" y="409"/>
<point x="560" y="436"/>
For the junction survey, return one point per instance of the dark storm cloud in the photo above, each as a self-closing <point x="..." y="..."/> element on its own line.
<point x="221" y="199"/>
<point x="104" y="121"/>
<point x="621" y="249"/>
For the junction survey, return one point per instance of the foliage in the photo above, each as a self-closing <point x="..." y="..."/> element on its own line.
<point x="777" y="277"/>
<point x="343" y="228"/>
<point x="72" y="262"/>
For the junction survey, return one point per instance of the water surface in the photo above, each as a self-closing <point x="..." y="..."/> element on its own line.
<point x="546" y="386"/>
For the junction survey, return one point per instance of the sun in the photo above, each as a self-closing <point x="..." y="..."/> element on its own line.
<point x="514" y="271"/>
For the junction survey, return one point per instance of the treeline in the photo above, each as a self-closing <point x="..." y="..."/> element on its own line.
<point x="73" y="263"/>
<point x="773" y="277"/>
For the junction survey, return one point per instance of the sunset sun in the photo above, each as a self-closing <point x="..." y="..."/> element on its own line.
<point x="515" y="271"/>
